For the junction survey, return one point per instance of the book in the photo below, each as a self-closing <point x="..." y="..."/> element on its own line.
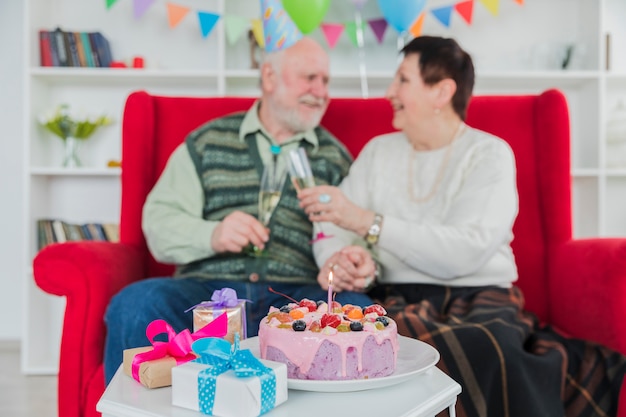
<point x="45" y="49"/>
<point x="50" y="238"/>
<point x="45" y="232"/>
<point x="72" y="232"/>
<point x="85" y="232"/>
<point x="42" y="234"/>
<point x="101" y="233"/>
<point x="94" y="54"/>
<point x="61" y="52"/>
<point x="95" y="232"/>
<point x="59" y="231"/>
<point x="101" y="46"/>
<point x="112" y="232"/>
<point x="86" y="45"/>
<point x="70" y="47"/>
<point x="79" y="49"/>
<point x="53" y="49"/>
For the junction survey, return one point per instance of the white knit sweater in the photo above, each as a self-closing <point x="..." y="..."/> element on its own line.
<point x="459" y="237"/>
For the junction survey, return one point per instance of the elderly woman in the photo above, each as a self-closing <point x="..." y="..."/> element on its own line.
<point x="436" y="202"/>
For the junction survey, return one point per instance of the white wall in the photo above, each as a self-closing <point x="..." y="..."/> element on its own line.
<point x="11" y="163"/>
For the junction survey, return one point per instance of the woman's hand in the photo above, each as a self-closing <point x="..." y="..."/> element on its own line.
<point x="326" y="203"/>
<point x="353" y="270"/>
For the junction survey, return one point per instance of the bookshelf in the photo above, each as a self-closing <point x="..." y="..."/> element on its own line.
<point x="180" y="61"/>
<point x="58" y="231"/>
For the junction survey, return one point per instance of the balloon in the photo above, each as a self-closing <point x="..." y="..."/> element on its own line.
<point x="401" y="13"/>
<point x="306" y="14"/>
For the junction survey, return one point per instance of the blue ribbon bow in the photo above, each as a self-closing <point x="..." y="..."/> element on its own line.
<point x="220" y="356"/>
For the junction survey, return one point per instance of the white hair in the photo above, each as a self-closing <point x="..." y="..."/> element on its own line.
<point x="274" y="59"/>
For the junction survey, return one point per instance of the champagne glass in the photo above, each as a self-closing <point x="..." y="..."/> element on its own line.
<point x="269" y="194"/>
<point x="272" y="182"/>
<point x="302" y="177"/>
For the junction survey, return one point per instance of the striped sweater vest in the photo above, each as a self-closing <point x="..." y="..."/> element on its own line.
<point x="230" y="170"/>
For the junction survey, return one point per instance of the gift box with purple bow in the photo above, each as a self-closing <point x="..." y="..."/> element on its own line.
<point x="228" y="382"/>
<point x="151" y="365"/>
<point x="222" y="301"/>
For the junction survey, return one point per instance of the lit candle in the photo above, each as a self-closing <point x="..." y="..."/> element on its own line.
<point x="330" y="292"/>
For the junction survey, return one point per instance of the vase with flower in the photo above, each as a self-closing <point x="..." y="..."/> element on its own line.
<point x="72" y="129"/>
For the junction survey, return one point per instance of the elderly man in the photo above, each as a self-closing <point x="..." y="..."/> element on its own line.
<point x="201" y="214"/>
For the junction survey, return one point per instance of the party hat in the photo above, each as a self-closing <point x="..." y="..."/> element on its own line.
<point x="279" y="30"/>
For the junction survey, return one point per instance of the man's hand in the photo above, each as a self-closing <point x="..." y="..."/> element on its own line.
<point x="353" y="270"/>
<point x="236" y="231"/>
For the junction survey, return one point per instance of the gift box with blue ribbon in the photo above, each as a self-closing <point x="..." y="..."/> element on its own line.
<point x="225" y="381"/>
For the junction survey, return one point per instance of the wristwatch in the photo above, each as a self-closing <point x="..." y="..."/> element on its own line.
<point x="374" y="231"/>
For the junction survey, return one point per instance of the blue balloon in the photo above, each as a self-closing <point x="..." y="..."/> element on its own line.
<point x="401" y="13"/>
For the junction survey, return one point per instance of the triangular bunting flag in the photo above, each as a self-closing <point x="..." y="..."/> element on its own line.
<point x="359" y="3"/>
<point x="378" y="26"/>
<point x="140" y="7"/>
<point x="234" y="27"/>
<point x="351" y="32"/>
<point x="416" y="27"/>
<point x="443" y="14"/>
<point x="465" y="9"/>
<point x="110" y="3"/>
<point x="332" y="32"/>
<point x="257" y="31"/>
<point x="207" y="22"/>
<point x="175" y="14"/>
<point x="491" y="5"/>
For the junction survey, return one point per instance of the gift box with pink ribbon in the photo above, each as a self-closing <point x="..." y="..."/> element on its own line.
<point x="152" y="365"/>
<point x="222" y="301"/>
<point x="225" y="381"/>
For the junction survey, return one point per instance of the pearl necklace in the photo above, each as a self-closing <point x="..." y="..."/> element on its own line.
<point x="440" y="172"/>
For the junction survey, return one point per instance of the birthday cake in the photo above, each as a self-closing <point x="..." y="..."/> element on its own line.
<point x="348" y="343"/>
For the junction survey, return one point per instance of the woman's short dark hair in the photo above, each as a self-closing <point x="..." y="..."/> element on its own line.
<point x="441" y="58"/>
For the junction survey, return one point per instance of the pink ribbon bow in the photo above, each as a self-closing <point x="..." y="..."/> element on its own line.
<point x="178" y="345"/>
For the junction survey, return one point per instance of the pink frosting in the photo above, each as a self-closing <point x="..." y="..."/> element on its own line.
<point x="301" y="348"/>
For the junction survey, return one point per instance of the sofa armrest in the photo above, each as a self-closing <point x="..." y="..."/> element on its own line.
<point x="587" y="288"/>
<point x="88" y="274"/>
<point x="81" y="268"/>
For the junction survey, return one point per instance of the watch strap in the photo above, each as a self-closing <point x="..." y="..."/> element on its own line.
<point x="373" y="232"/>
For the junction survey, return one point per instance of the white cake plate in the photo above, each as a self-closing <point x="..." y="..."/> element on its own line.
<point x="414" y="357"/>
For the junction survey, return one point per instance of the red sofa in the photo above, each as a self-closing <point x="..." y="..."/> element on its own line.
<point x="576" y="285"/>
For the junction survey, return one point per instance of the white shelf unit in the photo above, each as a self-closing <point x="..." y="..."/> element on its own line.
<point x="180" y="62"/>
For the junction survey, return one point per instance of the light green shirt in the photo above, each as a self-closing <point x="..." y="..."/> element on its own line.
<point x="252" y="124"/>
<point x="176" y="201"/>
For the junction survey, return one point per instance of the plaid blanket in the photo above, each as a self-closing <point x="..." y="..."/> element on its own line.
<point x="507" y="364"/>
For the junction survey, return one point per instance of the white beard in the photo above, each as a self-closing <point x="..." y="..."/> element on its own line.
<point x="290" y="116"/>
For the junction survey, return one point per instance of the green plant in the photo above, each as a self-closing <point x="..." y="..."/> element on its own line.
<point x="63" y="124"/>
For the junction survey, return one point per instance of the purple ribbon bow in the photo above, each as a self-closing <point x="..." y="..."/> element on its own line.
<point x="223" y="299"/>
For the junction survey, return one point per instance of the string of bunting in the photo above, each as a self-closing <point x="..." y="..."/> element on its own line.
<point x="403" y="15"/>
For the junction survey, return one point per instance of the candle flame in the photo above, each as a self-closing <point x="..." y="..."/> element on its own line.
<point x="330" y="278"/>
